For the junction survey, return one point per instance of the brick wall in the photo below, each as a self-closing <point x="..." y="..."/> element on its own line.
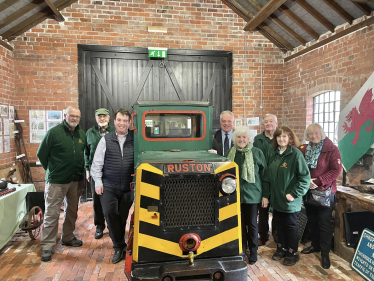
<point x="46" y="56"/>
<point x="7" y="98"/>
<point x="343" y="65"/>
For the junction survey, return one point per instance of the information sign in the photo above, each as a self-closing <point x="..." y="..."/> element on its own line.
<point x="363" y="260"/>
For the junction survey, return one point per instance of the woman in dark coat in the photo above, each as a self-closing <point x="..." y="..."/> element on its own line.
<point x="254" y="186"/>
<point x="325" y="164"/>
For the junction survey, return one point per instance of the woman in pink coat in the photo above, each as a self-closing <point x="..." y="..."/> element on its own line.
<point x="324" y="162"/>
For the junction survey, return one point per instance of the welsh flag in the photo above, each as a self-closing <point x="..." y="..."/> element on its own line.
<point x="355" y="129"/>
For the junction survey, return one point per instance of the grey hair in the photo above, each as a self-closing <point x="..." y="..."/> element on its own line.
<point x="310" y="127"/>
<point x="226" y="112"/>
<point x="72" y="107"/>
<point x="269" y="114"/>
<point x="242" y="130"/>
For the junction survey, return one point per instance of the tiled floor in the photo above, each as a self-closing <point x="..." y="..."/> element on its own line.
<point x="20" y="260"/>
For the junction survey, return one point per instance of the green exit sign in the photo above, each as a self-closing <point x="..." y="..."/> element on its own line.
<point x="157" y="52"/>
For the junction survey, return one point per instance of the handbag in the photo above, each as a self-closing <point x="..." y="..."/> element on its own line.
<point x="318" y="198"/>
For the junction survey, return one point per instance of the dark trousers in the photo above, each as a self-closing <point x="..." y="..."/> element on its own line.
<point x="116" y="205"/>
<point x="99" y="219"/>
<point x="263" y="224"/>
<point x="250" y="228"/>
<point x="288" y="235"/>
<point x="320" y="231"/>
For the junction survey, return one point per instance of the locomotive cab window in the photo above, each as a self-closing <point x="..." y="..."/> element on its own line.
<point x="174" y="125"/>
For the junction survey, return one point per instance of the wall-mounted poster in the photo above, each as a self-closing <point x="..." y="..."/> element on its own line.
<point x="11" y="130"/>
<point x="6" y="144"/>
<point x="37" y="125"/>
<point x="6" y="127"/>
<point x="50" y="125"/>
<point x="11" y="112"/>
<point x="4" y="110"/>
<point x="238" y="122"/>
<point x="254" y="121"/>
<point x="54" y="115"/>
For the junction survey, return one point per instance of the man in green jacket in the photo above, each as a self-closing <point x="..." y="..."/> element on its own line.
<point x="94" y="135"/>
<point x="264" y="141"/>
<point x="61" y="153"/>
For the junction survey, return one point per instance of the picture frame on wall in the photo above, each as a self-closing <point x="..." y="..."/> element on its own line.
<point x="11" y="112"/>
<point x="238" y="122"/>
<point x="4" y="110"/>
<point x="54" y="115"/>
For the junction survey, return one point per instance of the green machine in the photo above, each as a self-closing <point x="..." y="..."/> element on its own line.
<point x="186" y="221"/>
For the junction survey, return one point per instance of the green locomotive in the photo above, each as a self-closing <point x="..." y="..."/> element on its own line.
<point x="186" y="222"/>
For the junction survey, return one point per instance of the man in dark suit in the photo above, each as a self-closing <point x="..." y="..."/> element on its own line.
<point x="222" y="138"/>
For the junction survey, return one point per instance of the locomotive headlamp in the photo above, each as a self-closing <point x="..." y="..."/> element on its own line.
<point x="228" y="184"/>
<point x="189" y="242"/>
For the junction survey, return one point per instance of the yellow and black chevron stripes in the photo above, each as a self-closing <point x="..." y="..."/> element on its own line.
<point x="144" y="188"/>
<point x="172" y="248"/>
<point x="154" y="242"/>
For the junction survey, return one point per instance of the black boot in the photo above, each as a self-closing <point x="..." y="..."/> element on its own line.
<point x="325" y="261"/>
<point x="292" y="257"/>
<point x="280" y="253"/>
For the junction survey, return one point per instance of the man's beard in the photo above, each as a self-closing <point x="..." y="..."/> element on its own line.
<point x="72" y="125"/>
<point x="103" y="124"/>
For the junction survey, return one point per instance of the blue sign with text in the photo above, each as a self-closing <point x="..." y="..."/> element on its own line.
<point x="363" y="260"/>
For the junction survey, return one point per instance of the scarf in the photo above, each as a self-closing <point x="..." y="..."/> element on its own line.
<point x="248" y="172"/>
<point x="312" y="154"/>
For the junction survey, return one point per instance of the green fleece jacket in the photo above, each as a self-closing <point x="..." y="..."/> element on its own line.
<point x="61" y="154"/>
<point x="289" y="174"/>
<point x="93" y="138"/>
<point x="252" y="193"/>
<point x="265" y="144"/>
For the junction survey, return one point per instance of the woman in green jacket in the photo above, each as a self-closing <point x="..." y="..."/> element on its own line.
<point x="254" y="186"/>
<point x="290" y="179"/>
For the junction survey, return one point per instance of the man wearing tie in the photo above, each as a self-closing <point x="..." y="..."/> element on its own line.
<point x="222" y="138"/>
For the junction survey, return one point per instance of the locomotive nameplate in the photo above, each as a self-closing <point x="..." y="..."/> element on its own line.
<point x="183" y="168"/>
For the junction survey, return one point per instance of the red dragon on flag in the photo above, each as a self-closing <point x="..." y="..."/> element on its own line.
<point x="358" y="119"/>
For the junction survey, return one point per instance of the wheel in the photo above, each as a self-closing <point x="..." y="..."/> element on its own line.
<point x="35" y="222"/>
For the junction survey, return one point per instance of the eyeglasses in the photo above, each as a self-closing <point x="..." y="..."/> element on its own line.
<point x="73" y="116"/>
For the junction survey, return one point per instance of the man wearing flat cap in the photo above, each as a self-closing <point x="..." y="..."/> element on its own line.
<point x="94" y="135"/>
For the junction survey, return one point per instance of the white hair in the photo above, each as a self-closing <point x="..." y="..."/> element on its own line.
<point x="226" y="112"/>
<point x="72" y="107"/>
<point x="310" y="128"/>
<point x="267" y="115"/>
<point x="242" y="130"/>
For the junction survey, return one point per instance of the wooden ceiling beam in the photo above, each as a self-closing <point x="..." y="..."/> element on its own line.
<point x="34" y="20"/>
<point x="314" y="13"/>
<point x="339" y="10"/>
<point x="57" y="13"/>
<point x="299" y="21"/>
<point x="334" y="37"/>
<point x="244" y="14"/>
<point x="287" y="29"/>
<point x="6" y="45"/>
<point x="12" y="17"/>
<point x="278" y="22"/>
<point x="272" y="40"/>
<point x="363" y="8"/>
<point x="263" y="14"/>
<point x="7" y="4"/>
<point x="276" y="36"/>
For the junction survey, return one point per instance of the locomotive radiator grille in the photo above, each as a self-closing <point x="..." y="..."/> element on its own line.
<point x="189" y="202"/>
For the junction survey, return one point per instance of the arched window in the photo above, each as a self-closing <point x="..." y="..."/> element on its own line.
<point x="326" y="109"/>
